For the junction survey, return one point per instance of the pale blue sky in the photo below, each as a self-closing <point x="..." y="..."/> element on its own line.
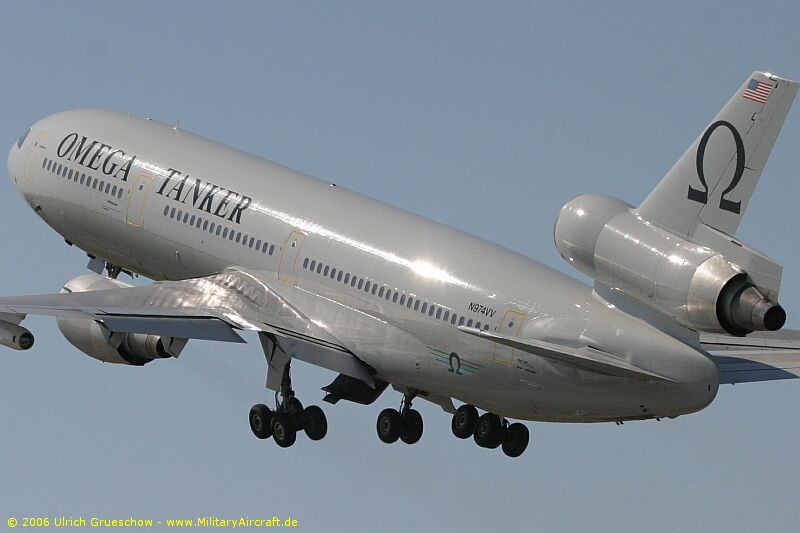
<point x="485" y="116"/>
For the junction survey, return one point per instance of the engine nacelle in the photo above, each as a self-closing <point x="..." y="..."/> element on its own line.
<point x="697" y="285"/>
<point x="95" y="340"/>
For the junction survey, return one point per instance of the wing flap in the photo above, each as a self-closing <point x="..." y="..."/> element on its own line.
<point x="584" y="358"/>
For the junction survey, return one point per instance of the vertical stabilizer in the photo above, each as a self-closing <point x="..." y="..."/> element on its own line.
<point x="713" y="181"/>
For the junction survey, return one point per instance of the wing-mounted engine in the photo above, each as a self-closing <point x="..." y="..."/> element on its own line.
<point x="694" y="283"/>
<point x="94" y="339"/>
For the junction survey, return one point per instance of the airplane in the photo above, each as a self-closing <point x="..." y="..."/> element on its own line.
<point x="380" y="296"/>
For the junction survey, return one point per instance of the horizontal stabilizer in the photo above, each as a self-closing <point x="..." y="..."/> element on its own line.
<point x="766" y="356"/>
<point x="584" y="358"/>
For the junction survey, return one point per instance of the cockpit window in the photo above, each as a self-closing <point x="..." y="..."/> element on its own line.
<point x="22" y="139"/>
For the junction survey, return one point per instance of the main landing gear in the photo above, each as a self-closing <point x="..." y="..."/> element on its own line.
<point x="405" y="424"/>
<point x="490" y="431"/>
<point x="289" y="417"/>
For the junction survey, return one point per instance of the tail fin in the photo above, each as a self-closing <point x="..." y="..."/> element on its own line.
<point x="713" y="181"/>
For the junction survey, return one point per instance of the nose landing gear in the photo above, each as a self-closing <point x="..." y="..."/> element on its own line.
<point x="490" y="431"/>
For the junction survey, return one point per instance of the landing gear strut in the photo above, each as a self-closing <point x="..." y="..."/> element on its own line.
<point x="288" y="418"/>
<point x="490" y="431"/>
<point x="405" y="424"/>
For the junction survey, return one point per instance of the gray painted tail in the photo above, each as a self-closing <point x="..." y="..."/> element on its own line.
<point x="711" y="184"/>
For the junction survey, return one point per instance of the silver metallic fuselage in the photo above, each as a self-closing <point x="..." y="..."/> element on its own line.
<point x="153" y="228"/>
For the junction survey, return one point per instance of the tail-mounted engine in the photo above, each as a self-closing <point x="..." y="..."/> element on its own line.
<point x="694" y="283"/>
<point x="94" y="339"/>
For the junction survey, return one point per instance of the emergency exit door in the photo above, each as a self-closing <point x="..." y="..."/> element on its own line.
<point x="135" y="212"/>
<point x="511" y="325"/>
<point x="289" y="256"/>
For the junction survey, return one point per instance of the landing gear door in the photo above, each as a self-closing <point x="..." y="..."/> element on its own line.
<point x="135" y="213"/>
<point x="511" y="325"/>
<point x="289" y="256"/>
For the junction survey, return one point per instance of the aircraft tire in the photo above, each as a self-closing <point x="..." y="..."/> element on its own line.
<point x="315" y="423"/>
<point x="464" y="421"/>
<point x="294" y="410"/>
<point x="283" y="431"/>
<point x="516" y="440"/>
<point x="488" y="431"/>
<point x="412" y="427"/>
<point x="389" y="425"/>
<point x="261" y="421"/>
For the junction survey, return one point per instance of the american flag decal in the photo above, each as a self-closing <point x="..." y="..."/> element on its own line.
<point x="757" y="91"/>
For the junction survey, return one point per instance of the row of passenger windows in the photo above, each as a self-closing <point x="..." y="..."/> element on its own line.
<point x="81" y="178"/>
<point x="393" y="296"/>
<point x="215" y="228"/>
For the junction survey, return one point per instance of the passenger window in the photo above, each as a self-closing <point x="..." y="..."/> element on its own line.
<point x="172" y="213"/>
<point x="360" y="283"/>
<point x="403" y="299"/>
<point x="114" y="190"/>
<point x="185" y="217"/>
<point x="380" y="292"/>
<point x="238" y="236"/>
<point x="431" y="310"/>
<point x="424" y="308"/>
<point x="83" y="178"/>
<point x="438" y="313"/>
<point x="218" y="231"/>
<point x="198" y="222"/>
<point x="486" y="326"/>
<point x="231" y="235"/>
<point x="327" y="268"/>
<point x="394" y="298"/>
<point x="469" y="323"/>
<point x="59" y="170"/>
<point x="313" y="264"/>
<point x="191" y="221"/>
<point x="44" y="163"/>
<point x="478" y="325"/>
<point x="333" y="273"/>
<point x="367" y="286"/>
<point x="225" y="233"/>
<point x="102" y="184"/>
<point x="264" y="247"/>
<point x="271" y="248"/>
<point x="69" y="174"/>
<point x="374" y="288"/>
<point x="305" y="263"/>
<point x="258" y="246"/>
<point x="108" y="187"/>
<point x="119" y="193"/>
<point x="339" y="277"/>
<point x="347" y="278"/>
<point x="166" y="210"/>
<point x="453" y="319"/>
<point x="446" y="316"/>
<point x="319" y="268"/>
<point x="416" y="305"/>
<point x="205" y="225"/>
<point x="252" y="240"/>
<point x="461" y="321"/>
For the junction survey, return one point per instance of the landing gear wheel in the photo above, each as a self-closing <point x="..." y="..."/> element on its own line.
<point x="412" y="426"/>
<point x="515" y="440"/>
<point x="464" y="421"/>
<point x="489" y="431"/>
<point x="283" y="430"/>
<point x="261" y="421"/>
<point x="294" y="410"/>
<point x="315" y="423"/>
<point x="389" y="425"/>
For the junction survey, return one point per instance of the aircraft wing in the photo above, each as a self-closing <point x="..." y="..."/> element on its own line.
<point x="210" y="308"/>
<point x="584" y="358"/>
<point x="761" y="356"/>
